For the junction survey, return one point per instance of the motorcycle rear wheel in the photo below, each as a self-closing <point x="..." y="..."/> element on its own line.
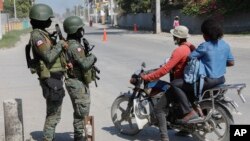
<point x="124" y="121"/>
<point x="219" y="124"/>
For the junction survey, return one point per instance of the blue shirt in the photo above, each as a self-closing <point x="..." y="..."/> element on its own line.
<point x="214" y="56"/>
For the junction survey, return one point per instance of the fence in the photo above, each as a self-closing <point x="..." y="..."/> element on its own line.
<point x="8" y="25"/>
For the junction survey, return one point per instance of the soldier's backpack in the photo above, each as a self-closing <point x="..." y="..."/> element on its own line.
<point x="31" y="62"/>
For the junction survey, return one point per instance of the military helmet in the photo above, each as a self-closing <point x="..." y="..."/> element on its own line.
<point x="41" y="12"/>
<point x="180" y="32"/>
<point x="72" y="24"/>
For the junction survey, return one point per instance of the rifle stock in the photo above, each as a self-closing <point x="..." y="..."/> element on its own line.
<point x="87" y="50"/>
<point x="27" y="53"/>
<point x="59" y="33"/>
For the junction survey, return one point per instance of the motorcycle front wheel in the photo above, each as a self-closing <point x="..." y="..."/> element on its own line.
<point x="217" y="127"/>
<point x="123" y="117"/>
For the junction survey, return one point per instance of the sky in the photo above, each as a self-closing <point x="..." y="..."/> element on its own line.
<point x="59" y="6"/>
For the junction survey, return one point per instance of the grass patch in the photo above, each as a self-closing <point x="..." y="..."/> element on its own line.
<point x="10" y="38"/>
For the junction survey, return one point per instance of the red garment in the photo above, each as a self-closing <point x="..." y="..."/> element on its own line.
<point x="176" y="23"/>
<point x="177" y="62"/>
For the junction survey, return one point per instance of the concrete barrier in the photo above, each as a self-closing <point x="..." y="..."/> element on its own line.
<point x="13" y="120"/>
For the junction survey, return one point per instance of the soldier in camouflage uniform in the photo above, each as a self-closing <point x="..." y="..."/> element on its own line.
<point x="79" y="76"/>
<point x="48" y="64"/>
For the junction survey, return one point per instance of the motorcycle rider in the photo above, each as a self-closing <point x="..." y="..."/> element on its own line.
<point x="175" y="64"/>
<point x="214" y="53"/>
<point x="49" y="65"/>
<point x="79" y="74"/>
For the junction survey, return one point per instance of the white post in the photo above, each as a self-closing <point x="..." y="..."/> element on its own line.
<point x="15" y="9"/>
<point x="96" y="18"/>
<point x="96" y="12"/>
<point x="13" y="120"/>
<point x="112" y="12"/>
<point x="1" y="27"/>
<point x="115" y="14"/>
<point x="158" y="16"/>
<point x="88" y="11"/>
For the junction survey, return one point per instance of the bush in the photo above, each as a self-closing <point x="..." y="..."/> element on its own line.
<point x="10" y="38"/>
<point x="217" y="7"/>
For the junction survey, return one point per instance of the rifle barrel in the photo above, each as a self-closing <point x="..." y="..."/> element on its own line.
<point x="96" y="69"/>
<point x="97" y="77"/>
<point x="58" y="30"/>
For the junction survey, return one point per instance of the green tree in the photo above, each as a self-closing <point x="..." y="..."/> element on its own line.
<point x="216" y="7"/>
<point x="22" y="8"/>
<point x="134" y="6"/>
<point x="143" y="6"/>
<point x="8" y="7"/>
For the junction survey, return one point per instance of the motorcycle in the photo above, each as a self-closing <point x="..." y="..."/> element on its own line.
<point x="133" y="111"/>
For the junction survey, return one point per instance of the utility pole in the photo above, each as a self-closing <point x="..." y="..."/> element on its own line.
<point x="88" y="11"/>
<point x="96" y="11"/>
<point x="1" y="9"/>
<point x="1" y="32"/>
<point x="158" y="16"/>
<point x="15" y="9"/>
<point x="112" y="12"/>
<point x="32" y="2"/>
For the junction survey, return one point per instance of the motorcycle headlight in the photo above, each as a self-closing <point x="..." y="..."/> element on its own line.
<point x="133" y="81"/>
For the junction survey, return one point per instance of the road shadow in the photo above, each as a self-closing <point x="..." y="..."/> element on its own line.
<point x="67" y="136"/>
<point x="147" y="134"/>
<point x="144" y="135"/>
<point x="119" y="31"/>
<point x="108" y="33"/>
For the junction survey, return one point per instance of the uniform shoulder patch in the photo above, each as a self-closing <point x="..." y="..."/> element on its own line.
<point x="79" y="49"/>
<point x="37" y="38"/>
<point x="39" y="43"/>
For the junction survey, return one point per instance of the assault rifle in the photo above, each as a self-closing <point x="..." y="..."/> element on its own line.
<point x="59" y="33"/>
<point x="88" y="48"/>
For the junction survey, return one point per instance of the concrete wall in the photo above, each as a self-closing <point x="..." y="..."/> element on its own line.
<point x="142" y="20"/>
<point x="234" y="23"/>
<point x="7" y="24"/>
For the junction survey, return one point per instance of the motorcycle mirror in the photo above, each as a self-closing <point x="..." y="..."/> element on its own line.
<point x="143" y="65"/>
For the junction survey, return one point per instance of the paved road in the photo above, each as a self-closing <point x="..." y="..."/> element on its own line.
<point x="118" y="58"/>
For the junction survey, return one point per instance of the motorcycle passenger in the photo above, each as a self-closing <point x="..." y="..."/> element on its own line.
<point x="214" y="53"/>
<point x="79" y="76"/>
<point x="176" y="64"/>
<point x="49" y="65"/>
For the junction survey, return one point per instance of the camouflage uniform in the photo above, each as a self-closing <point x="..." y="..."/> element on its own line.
<point x="48" y="64"/>
<point x="76" y="84"/>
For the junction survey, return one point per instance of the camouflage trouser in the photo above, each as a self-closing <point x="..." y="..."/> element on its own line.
<point x="80" y="98"/>
<point x="53" y="93"/>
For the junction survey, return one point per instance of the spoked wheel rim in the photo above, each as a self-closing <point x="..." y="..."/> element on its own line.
<point x="123" y="118"/>
<point x="217" y="128"/>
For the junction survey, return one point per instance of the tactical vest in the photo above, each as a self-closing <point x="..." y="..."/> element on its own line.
<point x="42" y="69"/>
<point x="77" y="72"/>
